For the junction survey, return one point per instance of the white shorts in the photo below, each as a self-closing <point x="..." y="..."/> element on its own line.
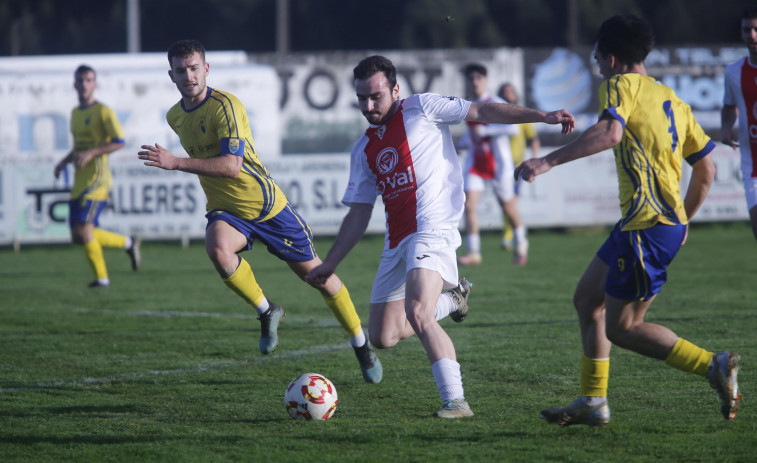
<point x="503" y="184"/>
<point x="750" y="189"/>
<point x="429" y="249"/>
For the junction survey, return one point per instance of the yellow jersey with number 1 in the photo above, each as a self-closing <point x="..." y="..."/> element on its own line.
<point x="659" y="131"/>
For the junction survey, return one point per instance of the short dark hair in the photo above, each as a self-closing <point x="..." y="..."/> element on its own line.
<point x="373" y="64"/>
<point x="182" y="48"/>
<point x="84" y="68"/>
<point x="627" y="37"/>
<point x="501" y="91"/>
<point x="749" y="13"/>
<point x="474" y="67"/>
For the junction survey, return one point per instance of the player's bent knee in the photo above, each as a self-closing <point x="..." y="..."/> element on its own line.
<point x="618" y="335"/>
<point x="383" y="340"/>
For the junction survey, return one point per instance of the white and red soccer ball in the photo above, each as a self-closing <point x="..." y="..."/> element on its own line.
<point x="311" y="397"/>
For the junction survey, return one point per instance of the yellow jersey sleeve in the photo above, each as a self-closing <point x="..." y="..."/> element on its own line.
<point x="659" y="130"/>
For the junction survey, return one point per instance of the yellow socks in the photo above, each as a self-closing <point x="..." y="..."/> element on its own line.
<point x="687" y="357"/>
<point x="242" y="282"/>
<point x="94" y="253"/>
<point x="344" y="311"/>
<point x="594" y="376"/>
<point x="109" y="239"/>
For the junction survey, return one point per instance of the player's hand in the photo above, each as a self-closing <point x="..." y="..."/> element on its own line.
<point x="157" y="156"/>
<point x="561" y="116"/>
<point x="685" y="235"/>
<point x="529" y="169"/>
<point x="59" y="168"/>
<point x="318" y="275"/>
<point x="730" y="139"/>
<point x="82" y="158"/>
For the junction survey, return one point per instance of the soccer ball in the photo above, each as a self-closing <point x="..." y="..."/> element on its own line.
<point x="311" y="397"/>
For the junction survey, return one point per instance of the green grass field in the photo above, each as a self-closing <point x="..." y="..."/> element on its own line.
<point x="164" y="365"/>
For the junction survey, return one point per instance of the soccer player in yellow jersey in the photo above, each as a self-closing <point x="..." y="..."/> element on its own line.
<point x="526" y="136"/>
<point x="244" y="202"/>
<point x="97" y="133"/>
<point x="651" y="131"/>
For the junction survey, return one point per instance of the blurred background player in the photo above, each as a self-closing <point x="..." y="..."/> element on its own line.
<point x="97" y="133"/>
<point x="488" y="160"/>
<point x="739" y="101"/>
<point x="526" y="137"/>
<point x="244" y="202"/>
<point x="407" y="156"/>
<point x="651" y="131"/>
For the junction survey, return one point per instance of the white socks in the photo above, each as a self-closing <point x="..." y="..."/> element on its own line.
<point x="449" y="380"/>
<point x="473" y="243"/>
<point x="444" y="305"/>
<point x="520" y="234"/>
<point x="593" y="401"/>
<point x="263" y="307"/>
<point x="359" y="340"/>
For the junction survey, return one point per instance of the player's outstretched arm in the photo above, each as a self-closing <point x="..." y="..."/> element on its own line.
<point x="728" y="116"/>
<point x="352" y="229"/>
<point x="502" y="113"/>
<point x="601" y="136"/>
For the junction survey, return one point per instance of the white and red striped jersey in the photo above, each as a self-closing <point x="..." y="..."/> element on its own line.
<point x="489" y="156"/>
<point x="741" y="91"/>
<point x="412" y="163"/>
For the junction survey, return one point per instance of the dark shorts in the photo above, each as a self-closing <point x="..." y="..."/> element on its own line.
<point x="84" y="211"/>
<point x="286" y="235"/>
<point x="638" y="260"/>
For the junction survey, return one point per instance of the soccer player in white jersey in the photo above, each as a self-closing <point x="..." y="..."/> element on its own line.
<point x="489" y="159"/>
<point x="97" y="133"/>
<point x="740" y="102"/>
<point x="408" y="157"/>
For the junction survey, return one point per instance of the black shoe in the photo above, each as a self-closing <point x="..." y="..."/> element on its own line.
<point x="133" y="252"/>
<point x="460" y="296"/>
<point x="97" y="284"/>
<point x="269" y="325"/>
<point x="369" y="364"/>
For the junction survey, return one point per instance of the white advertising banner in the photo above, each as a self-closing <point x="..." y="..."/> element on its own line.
<point x="305" y="108"/>
<point x="38" y="96"/>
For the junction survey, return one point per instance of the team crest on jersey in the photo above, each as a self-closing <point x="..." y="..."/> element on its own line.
<point x="387" y="160"/>
<point x="233" y="145"/>
<point x="380" y="132"/>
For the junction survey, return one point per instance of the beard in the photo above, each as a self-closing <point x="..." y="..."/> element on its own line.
<point x="374" y="118"/>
